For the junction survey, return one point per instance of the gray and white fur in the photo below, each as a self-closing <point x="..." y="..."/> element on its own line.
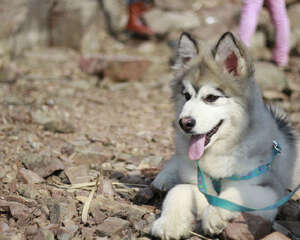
<point x="212" y="86"/>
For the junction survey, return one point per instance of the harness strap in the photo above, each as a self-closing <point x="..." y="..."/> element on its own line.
<point x="231" y="206"/>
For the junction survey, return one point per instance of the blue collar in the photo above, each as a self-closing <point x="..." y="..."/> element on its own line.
<point x="276" y="149"/>
<point x="223" y="203"/>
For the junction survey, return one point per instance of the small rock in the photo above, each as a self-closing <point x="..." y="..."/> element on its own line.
<point x="136" y="212"/>
<point x="163" y="21"/>
<point x="63" y="234"/>
<point x="150" y="162"/>
<point x="31" y="230"/>
<point x="78" y="174"/>
<point x="247" y="226"/>
<point x="292" y="226"/>
<point x="61" y="211"/>
<point x="290" y="211"/>
<point x="17" y="210"/>
<point x="12" y="236"/>
<point x="276" y="236"/>
<point x="293" y="13"/>
<point x="59" y="127"/>
<point x="71" y="226"/>
<point x="43" y="165"/>
<point x="9" y="73"/>
<point x="4" y="227"/>
<point x="89" y="157"/>
<point x="32" y="191"/>
<point x="269" y="76"/>
<point x="87" y="232"/>
<point x="67" y="149"/>
<point x="111" y="226"/>
<point x="98" y="214"/>
<point x="130" y="70"/>
<point x="44" y="234"/>
<point x="29" y="176"/>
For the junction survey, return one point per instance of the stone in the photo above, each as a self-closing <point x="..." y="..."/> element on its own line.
<point x="150" y="162"/>
<point x="111" y="226"/>
<point x="118" y="12"/>
<point x="247" y="226"/>
<point x="258" y="48"/>
<point x="32" y="191"/>
<point x="269" y="76"/>
<point x="178" y="5"/>
<point x="276" y="236"/>
<point x="165" y="21"/>
<point x="43" y="165"/>
<point x="61" y="211"/>
<point x="99" y="215"/>
<point x="31" y="230"/>
<point x="87" y="232"/>
<point x="59" y="126"/>
<point x="78" y="174"/>
<point x="127" y="69"/>
<point x="29" y="176"/>
<point x="292" y="226"/>
<point x="71" y="226"/>
<point x="17" y="210"/>
<point x="4" y="227"/>
<point x="290" y="211"/>
<point x="69" y="21"/>
<point x="12" y="236"/>
<point x="144" y="225"/>
<point x="9" y="73"/>
<point x="63" y="234"/>
<point x="26" y="25"/>
<point x="293" y="13"/>
<point x="44" y="234"/>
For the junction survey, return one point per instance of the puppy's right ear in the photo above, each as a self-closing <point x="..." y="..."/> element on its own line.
<point x="187" y="50"/>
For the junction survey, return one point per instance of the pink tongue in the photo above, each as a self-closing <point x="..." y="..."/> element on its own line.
<point x="196" y="148"/>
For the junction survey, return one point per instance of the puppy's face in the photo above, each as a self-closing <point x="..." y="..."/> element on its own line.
<point x="209" y="93"/>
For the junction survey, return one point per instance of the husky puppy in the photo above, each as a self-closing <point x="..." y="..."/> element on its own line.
<point x="224" y="123"/>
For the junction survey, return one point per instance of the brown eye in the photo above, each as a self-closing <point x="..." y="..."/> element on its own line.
<point x="211" y="98"/>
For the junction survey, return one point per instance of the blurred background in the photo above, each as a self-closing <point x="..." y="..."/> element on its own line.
<point x="81" y="92"/>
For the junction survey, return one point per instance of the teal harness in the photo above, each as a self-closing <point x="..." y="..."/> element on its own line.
<point x="231" y="206"/>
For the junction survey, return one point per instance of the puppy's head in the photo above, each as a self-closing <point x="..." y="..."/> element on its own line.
<point x="210" y="90"/>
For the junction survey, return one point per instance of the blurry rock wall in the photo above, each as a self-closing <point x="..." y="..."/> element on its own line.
<point x="84" y="24"/>
<point x="68" y="23"/>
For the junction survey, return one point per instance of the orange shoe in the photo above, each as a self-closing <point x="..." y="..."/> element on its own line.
<point x="135" y="23"/>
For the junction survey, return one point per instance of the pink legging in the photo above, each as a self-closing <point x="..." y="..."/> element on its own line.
<point x="280" y="20"/>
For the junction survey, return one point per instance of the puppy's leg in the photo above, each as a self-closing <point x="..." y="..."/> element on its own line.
<point x="183" y="203"/>
<point x="168" y="177"/>
<point x="215" y="219"/>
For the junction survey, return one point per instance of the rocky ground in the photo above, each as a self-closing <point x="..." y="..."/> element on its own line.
<point x="78" y="151"/>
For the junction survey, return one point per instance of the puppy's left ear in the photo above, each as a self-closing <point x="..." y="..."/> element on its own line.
<point x="232" y="56"/>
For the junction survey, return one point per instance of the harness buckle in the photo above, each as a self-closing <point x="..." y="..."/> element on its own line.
<point x="276" y="146"/>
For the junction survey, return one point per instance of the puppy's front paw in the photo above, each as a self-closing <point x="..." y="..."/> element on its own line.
<point x="164" y="181"/>
<point x="214" y="219"/>
<point x="168" y="228"/>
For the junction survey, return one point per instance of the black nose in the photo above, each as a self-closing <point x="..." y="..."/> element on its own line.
<point x="187" y="123"/>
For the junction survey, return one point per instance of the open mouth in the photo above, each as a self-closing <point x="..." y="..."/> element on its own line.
<point x="199" y="141"/>
<point x="212" y="132"/>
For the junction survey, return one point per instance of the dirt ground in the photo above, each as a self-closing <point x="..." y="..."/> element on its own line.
<point x="60" y="127"/>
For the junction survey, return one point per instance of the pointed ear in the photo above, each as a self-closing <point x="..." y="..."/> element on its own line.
<point x="232" y="56"/>
<point x="187" y="49"/>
